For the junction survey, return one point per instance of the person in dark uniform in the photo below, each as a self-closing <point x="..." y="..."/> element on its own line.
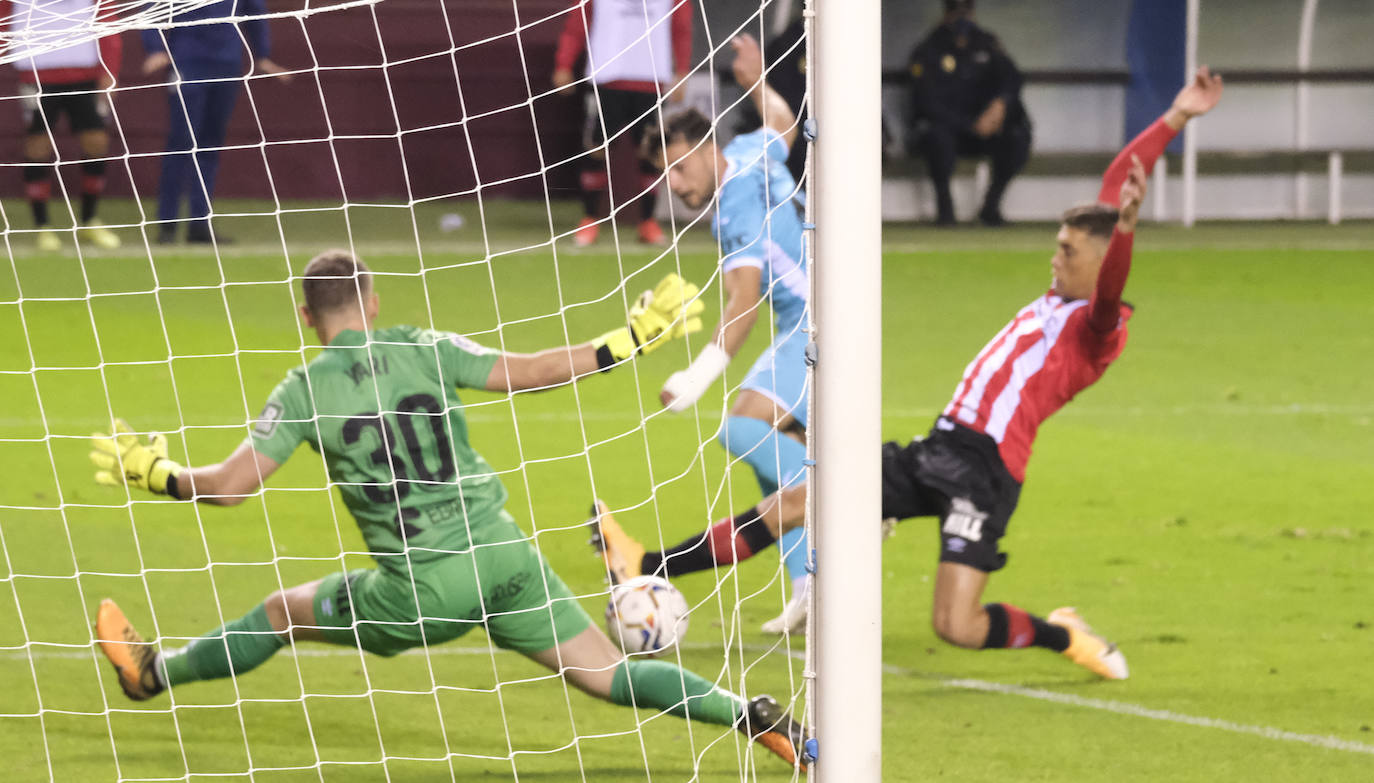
<point x="207" y="75"/>
<point x="966" y="101"/>
<point x="786" y="54"/>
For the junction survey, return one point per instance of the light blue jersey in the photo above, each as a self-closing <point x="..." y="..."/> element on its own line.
<point x="758" y="224"/>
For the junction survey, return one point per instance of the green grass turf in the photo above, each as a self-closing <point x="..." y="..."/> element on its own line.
<point x="1205" y="505"/>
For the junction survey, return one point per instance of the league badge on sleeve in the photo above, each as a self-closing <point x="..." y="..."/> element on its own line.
<point x="267" y="421"/>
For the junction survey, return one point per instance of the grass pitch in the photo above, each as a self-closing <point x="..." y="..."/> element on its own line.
<point x="1205" y="505"/>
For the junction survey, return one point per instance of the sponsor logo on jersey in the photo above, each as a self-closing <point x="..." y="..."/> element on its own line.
<point x="268" y="420"/>
<point x="509" y="588"/>
<point x="964" y="520"/>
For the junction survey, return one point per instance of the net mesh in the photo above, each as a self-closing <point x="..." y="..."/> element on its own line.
<point x="426" y="137"/>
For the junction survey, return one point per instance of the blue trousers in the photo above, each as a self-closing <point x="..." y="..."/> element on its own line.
<point x="198" y="119"/>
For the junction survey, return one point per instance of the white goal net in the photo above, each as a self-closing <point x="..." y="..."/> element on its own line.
<point x="431" y="139"/>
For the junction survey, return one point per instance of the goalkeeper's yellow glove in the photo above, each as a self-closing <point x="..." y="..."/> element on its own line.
<point x="121" y="459"/>
<point x="670" y="311"/>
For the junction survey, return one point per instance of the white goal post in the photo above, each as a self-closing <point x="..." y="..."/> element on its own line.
<point x="846" y="642"/>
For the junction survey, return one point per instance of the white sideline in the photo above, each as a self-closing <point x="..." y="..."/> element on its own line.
<point x="1135" y="710"/>
<point x="1105" y="705"/>
<point x="1124" y="708"/>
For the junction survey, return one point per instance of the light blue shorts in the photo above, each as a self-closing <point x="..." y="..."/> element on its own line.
<point x="780" y="373"/>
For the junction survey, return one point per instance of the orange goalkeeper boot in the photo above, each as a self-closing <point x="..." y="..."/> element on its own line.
<point x="622" y="553"/>
<point x="134" y="659"/>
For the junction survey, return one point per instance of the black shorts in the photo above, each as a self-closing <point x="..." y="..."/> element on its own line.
<point x="619" y="109"/>
<point x="956" y="474"/>
<point x="80" y="101"/>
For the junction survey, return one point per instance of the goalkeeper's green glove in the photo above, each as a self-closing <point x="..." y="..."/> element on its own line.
<point x="670" y="311"/>
<point x="121" y="459"/>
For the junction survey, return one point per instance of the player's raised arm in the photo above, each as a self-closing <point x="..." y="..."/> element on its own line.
<point x="670" y="311"/>
<point x="772" y="107"/>
<point x="122" y="459"/>
<point x="1104" y="312"/>
<point x="1199" y="96"/>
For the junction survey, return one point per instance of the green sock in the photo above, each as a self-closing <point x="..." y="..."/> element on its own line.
<point x="239" y="646"/>
<point x="663" y="686"/>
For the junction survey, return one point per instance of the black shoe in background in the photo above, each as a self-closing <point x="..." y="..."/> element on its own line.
<point x="200" y="234"/>
<point x="993" y="219"/>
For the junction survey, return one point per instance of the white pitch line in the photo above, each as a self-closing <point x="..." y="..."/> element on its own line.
<point x="1040" y="694"/>
<point x="1168" y="716"/>
<point x="1134" y="710"/>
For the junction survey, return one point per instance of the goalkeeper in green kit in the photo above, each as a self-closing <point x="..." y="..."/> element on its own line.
<point x="381" y="407"/>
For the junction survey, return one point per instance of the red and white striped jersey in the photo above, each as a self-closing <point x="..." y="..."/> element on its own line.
<point x="1035" y="364"/>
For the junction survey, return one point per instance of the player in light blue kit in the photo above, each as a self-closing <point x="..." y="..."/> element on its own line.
<point x="759" y="224"/>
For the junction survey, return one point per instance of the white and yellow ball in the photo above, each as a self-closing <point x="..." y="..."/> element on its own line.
<point x="646" y="615"/>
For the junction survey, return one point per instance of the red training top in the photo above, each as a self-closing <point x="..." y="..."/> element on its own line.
<point x="573" y="42"/>
<point x="67" y="65"/>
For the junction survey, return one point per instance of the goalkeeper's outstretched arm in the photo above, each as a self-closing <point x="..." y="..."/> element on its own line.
<point x="670" y="311"/>
<point x="227" y="483"/>
<point x="122" y="458"/>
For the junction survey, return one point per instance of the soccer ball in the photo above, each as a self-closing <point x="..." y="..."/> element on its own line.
<point x="646" y="615"/>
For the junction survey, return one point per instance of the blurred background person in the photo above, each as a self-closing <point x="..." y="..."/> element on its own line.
<point x="207" y="74"/>
<point x="70" y="81"/>
<point x="785" y="53"/>
<point x="966" y="102"/>
<point x="636" y="51"/>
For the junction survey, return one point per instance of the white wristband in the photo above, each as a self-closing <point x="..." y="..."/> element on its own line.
<point x="687" y="386"/>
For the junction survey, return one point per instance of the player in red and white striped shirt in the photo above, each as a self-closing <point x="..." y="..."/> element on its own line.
<point x="70" y="80"/>
<point x="970" y="468"/>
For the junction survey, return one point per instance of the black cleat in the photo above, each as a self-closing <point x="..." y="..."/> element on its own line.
<point x="767" y="723"/>
<point x="993" y="218"/>
<point x="201" y="234"/>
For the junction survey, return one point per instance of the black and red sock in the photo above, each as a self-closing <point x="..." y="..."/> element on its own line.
<point x="92" y="186"/>
<point x="38" y="189"/>
<point x="648" y="179"/>
<point x="1011" y="627"/>
<point x="728" y="541"/>
<point x="593" y="182"/>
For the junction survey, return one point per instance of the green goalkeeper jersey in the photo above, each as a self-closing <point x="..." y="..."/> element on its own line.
<point x="384" y="412"/>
